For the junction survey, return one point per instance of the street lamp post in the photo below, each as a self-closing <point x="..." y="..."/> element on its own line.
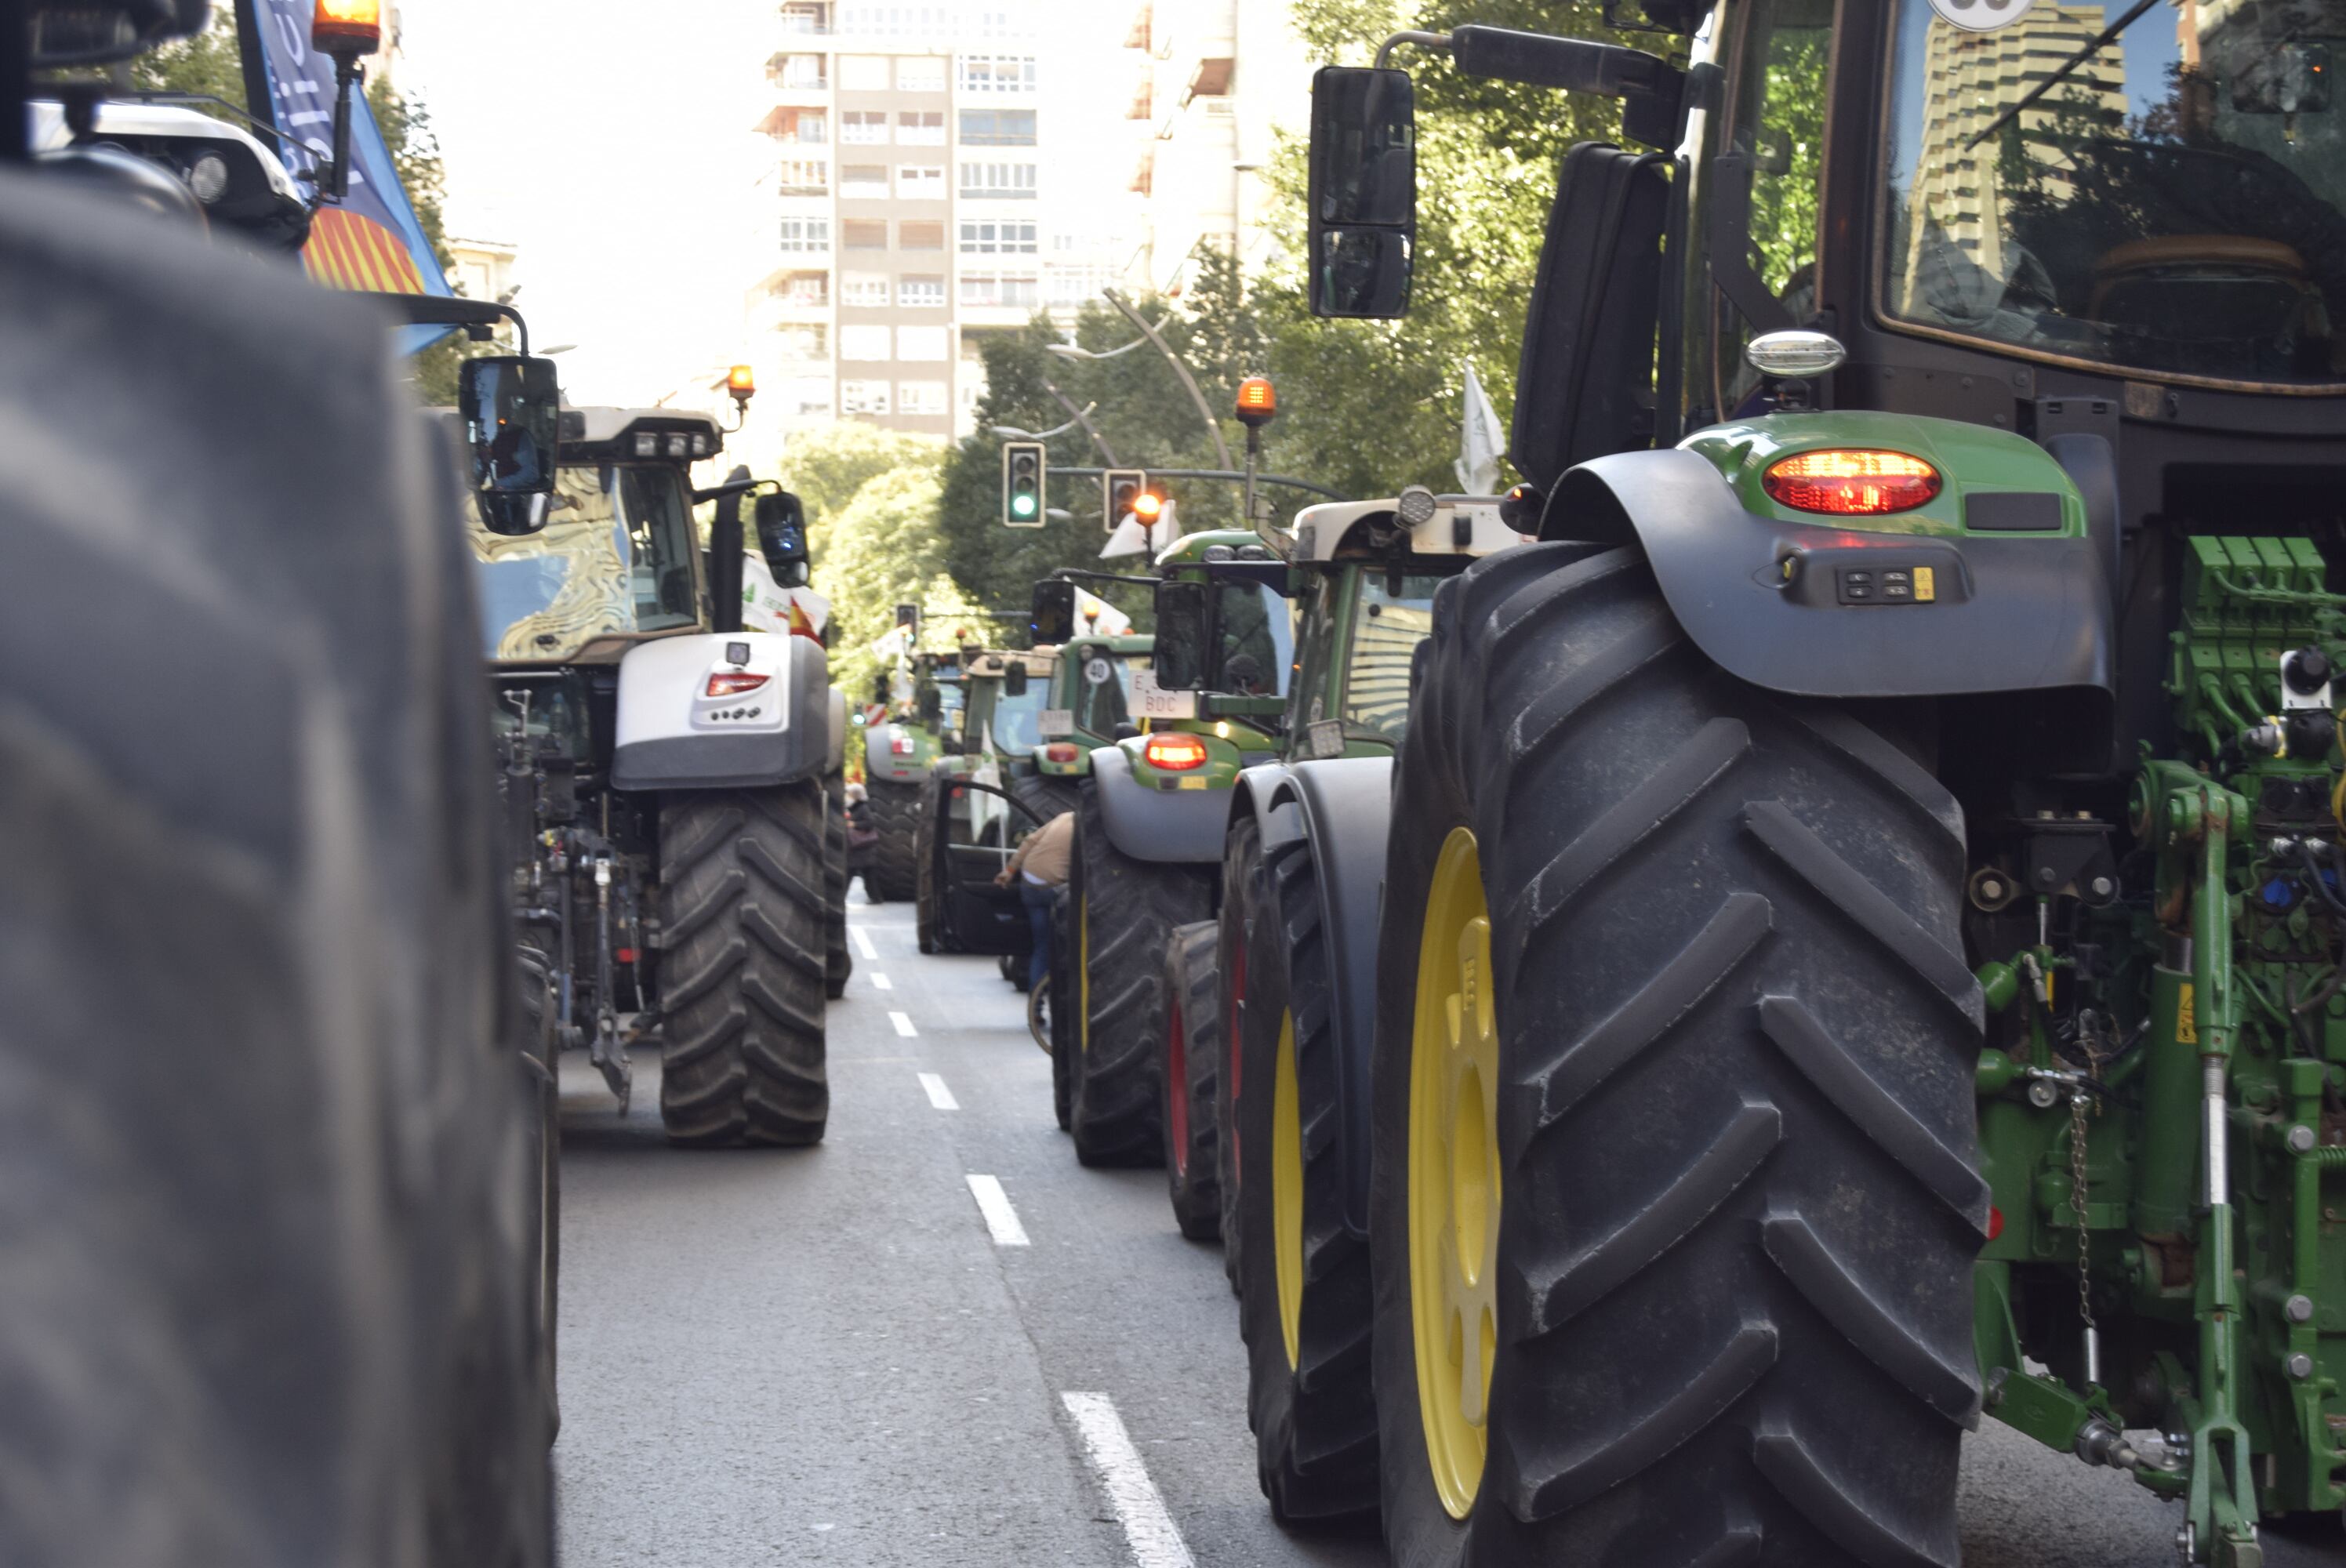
<point x="1188" y="381"/>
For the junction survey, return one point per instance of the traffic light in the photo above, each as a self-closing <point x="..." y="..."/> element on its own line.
<point x="1117" y="488"/>
<point x="1022" y="484"/>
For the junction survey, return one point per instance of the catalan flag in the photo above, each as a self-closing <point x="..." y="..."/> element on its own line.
<point x="348" y="251"/>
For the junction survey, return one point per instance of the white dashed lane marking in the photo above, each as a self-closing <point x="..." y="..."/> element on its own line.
<point x="1000" y="1217"/>
<point x="939" y="1095"/>
<point x="862" y="941"/>
<point x="1149" y="1529"/>
<point x="903" y="1022"/>
<point x="880" y="982"/>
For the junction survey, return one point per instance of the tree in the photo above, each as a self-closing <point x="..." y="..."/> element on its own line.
<point x="879" y="550"/>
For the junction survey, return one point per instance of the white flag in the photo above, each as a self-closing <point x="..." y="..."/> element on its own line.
<point x="1098" y="616"/>
<point x="1480" y="440"/>
<point x="1129" y="538"/>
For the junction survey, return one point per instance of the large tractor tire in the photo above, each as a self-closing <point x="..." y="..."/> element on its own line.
<point x="265" y="1163"/>
<point x="1061" y="985"/>
<point x="838" y="960"/>
<point x="1045" y="795"/>
<point x="928" y="914"/>
<point x="541" y="1064"/>
<point x="1193" y="1049"/>
<point x="1125" y="914"/>
<point x="1675" y="1195"/>
<point x="742" y="974"/>
<point x="1304" y="1298"/>
<point x="1241" y="874"/>
<point x="893" y="875"/>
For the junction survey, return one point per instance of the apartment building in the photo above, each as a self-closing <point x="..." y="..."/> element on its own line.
<point x="1214" y="82"/>
<point x="909" y="206"/>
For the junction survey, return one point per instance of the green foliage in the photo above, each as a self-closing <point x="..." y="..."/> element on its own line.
<point x="870" y="497"/>
<point x="206" y="66"/>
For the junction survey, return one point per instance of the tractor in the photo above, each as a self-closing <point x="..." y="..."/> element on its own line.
<point x="1149" y="812"/>
<point x="666" y="774"/>
<point x="915" y="719"/>
<point x="1862" y="944"/>
<point x="1002" y="697"/>
<point x="1295" y="938"/>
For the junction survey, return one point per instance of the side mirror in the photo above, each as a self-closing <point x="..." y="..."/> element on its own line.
<point x="1363" y="191"/>
<point x="880" y="688"/>
<point x="781" y="537"/>
<point x="932" y="704"/>
<point x="1051" y="615"/>
<point x="512" y="407"/>
<point x="1182" y="637"/>
<point x="1013" y="678"/>
<point x="514" y="517"/>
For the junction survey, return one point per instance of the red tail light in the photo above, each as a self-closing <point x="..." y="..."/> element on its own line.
<point x="1059" y="751"/>
<point x="1995" y="1222"/>
<point x="734" y="684"/>
<point x="1848" y="484"/>
<point x="1174" y="753"/>
<point x="900" y="746"/>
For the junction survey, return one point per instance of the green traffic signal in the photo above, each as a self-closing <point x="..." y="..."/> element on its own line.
<point x="1024" y="505"/>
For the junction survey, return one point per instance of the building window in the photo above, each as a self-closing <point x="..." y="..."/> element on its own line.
<point x="864" y="342"/>
<point x="863" y="73"/>
<point x="921" y="344"/>
<point x="803" y="341"/>
<point x="863" y="179"/>
<point x="803" y="395"/>
<point x="921" y="237"/>
<point x="864" y="234"/>
<point x="863" y="127"/>
<point x="987" y="237"/>
<point x="921" y="181"/>
<point x="806" y="16"/>
<point x="1022" y="289"/>
<point x="806" y="234"/>
<point x="863" y="289"/>
<point x="803" y="289"/>
<point x="803" y="176"/>
<point x="801" y="127"/>
<point x="920" y="72"/>
<point x="920" y="127"/>
<point x="921" y="397"/>
<point x="997" y="73"/>
<point x="1072" y="283"/>
<point x="997" y="128"/>
<point x="921" y="291"/>
<point x="997" y="181"/>
<point x="799" y="73"/>
<point x="863" y="397"/>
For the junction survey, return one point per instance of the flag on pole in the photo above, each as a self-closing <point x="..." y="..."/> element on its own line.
<point x="1130" y="537"/>
<point x="371" y="239"/>
<point x="1098" y="614"/>
<point x="1480" y="440"/>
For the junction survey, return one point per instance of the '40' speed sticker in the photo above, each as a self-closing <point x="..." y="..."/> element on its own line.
<point x="1097" y="671"/>
<point x="1979" y="15"/>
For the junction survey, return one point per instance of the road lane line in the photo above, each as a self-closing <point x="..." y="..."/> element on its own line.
<point x="939" y="1095"/>
<point x="880" y="982"/>
<point x="1139" y="1507"/>
<point x="903" y="1022"/>
<point x="1000" y="1217"/>
<point x="862" y="941"/>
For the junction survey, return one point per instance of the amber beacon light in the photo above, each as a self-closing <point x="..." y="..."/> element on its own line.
<point x="1848" y="484"/>
<point x="1258" y="401"/>
<point x="346" y="28"/>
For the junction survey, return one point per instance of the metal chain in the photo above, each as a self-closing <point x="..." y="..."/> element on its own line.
<point x="2078" y="1098"/>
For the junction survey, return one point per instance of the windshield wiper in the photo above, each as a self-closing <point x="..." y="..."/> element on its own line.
<point x="2062" y="73"/>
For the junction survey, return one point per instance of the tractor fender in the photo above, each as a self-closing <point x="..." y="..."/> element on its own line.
<point x="1341" y="808"/>
<point x="671" y="735"/>
<point x="1176" y="826"/>
<point x="1761" y="597"/>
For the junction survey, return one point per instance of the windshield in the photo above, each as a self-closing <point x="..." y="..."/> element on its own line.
<point x="1255" y="628"/>
<point x="1013" y="723"/>
<point x="615" y="556"/>
<point x="2171" y="203"/>
<point x="1103" y="682"/>
<point x="1386" y="630"/>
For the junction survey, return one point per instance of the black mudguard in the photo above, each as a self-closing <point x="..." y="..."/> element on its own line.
<point x="1343" y="808"/>
<point x="1168" y="827"/>
<point x="2012" y="614"/>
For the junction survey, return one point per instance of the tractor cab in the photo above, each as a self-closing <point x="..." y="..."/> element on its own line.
<point x="1091" y="701"/>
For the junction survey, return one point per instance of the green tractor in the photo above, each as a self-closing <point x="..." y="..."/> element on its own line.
<point x="1362" y="574"/>
<point x="1862" y="945"/>
<point x="1003" y="694"/>
<point x="921" y="701"/>
<point x="1148" y="839"/>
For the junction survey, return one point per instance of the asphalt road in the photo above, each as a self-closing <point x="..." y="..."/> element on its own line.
<point x="825" y="1356"/>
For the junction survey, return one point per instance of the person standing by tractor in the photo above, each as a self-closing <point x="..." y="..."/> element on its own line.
<point x="1041" y="865"/>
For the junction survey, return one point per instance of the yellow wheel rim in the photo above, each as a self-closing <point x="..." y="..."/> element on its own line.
<point x="1454" y="1174"/>
<point x="1084" y="973"/>
<point x="1287" y="1189"/>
